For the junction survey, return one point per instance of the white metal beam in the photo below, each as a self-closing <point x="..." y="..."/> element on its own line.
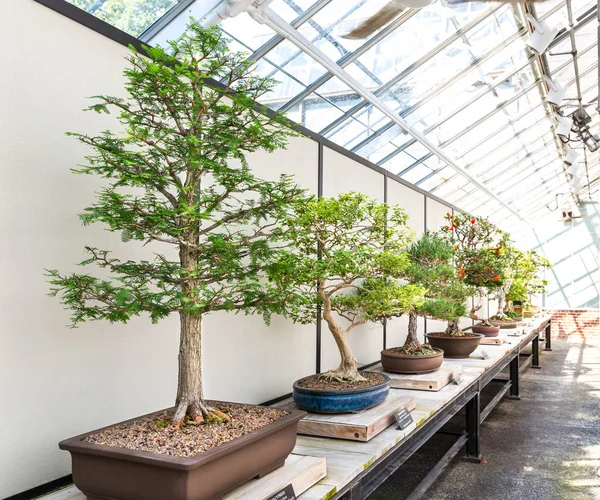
<point x="276" y="23"/>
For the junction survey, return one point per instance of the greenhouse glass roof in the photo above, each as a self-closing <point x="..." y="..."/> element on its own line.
<point x="449" y="97"/>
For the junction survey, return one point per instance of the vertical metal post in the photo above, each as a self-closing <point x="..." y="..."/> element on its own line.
<point x="514" y="378"/>
<point x="535" y="350"/>
<point x="548" y="337"/>
<point x="473" y="424"/>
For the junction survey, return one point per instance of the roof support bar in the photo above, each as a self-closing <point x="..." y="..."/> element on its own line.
<point x="277" y="24"/>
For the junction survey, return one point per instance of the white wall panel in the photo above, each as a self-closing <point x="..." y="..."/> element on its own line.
<point x="341" y="174"/>
<point x="412" y="201"/>
<point x="436" y="212"/>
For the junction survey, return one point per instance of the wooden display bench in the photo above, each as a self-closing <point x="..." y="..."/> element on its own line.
<point x="433" y="381"/>
<point x="300" y="470"/>
<point x="353" y="426"/>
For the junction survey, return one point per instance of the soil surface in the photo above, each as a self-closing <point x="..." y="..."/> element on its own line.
<point x="444" y="335"/>
<point x="156" y="434"/>
<point x="320" y="383"/>
<point x="423" y="350"/>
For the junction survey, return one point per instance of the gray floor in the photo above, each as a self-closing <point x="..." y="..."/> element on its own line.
<point x="546" y="446"/>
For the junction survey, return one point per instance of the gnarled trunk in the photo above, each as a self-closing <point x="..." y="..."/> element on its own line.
<point x="502" y="292"/>
<point x="412" y="341"/>
<point x="453" y="330"/>
<point x="478" y="305"/>
<point x="348" y="369"/>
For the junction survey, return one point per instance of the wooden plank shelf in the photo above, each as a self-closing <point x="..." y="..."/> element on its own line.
<point x="353" y="426"/>
<point x="300" y="470"/>
<point x="433" y="381"/>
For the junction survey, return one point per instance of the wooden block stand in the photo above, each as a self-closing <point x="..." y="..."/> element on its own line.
<point x="353" y="426"/>
<point x="499" y="340"/>
<point x="433" y="381"/>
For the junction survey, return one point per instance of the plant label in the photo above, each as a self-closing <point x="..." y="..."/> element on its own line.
<point x="457" y="380"/>
<point x="404" y="419"/>
<point x="484" y="355"/>
<point x="286" y="493"/>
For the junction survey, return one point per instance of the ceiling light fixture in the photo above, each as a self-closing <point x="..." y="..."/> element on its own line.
<point x="563" y="127"/>
<point x="570" y="157"/>
<point x="556" y="92"/>
<point x="542" y="35"/>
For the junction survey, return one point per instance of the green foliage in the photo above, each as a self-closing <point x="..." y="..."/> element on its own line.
<point x="338" y="243"/>
<point x="431" y="267"/>
<point x="526" y="281"/>
<point x="131" y="16"/>
<point x="177" y="175"/>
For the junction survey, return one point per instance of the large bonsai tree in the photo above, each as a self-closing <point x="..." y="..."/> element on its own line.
<point x="176" y="174"/>
<point x="338" y="243"/>
<point x="475" y="256"/>
<point x="510" y="260"/>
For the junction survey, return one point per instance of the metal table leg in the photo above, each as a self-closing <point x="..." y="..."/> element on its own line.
<point x="548" y="338"/>
<point x="472" y="421"/>
<point x="535" y="350"/>
<point x="514" y="379"/>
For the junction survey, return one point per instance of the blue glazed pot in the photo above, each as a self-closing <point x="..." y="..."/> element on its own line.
<point x="346" y="401"/>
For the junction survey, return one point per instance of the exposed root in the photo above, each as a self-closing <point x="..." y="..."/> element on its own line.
<point x="417" y="350"/>
<point x="343" y="376"/>
<point x="197" y="414"/>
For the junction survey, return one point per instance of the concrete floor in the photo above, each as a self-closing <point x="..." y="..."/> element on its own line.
<point x="545" y="446"/>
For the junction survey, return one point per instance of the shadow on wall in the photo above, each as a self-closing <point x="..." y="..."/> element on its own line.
<point x="573" y="248"/>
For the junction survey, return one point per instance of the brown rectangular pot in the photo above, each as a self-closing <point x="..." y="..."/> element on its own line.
<point x="110" y="473"/>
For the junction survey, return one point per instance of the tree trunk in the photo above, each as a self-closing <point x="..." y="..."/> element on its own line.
<point x="478" y="305"/>
<point x="412" y="341"/>
<point x="348" y="369"/>
<point x="190" y="394"/>
<point x="453" y="329"/>
<point x="502" y="292"/>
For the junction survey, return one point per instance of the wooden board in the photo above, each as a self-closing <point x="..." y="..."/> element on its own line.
<point x="426" y="382"/>
<point x="301" y="471"/>
<point x="499" y="340"/>
<point x="354" y="426"/>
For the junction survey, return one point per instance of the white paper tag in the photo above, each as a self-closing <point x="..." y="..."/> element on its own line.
<point x="484" y="355"/>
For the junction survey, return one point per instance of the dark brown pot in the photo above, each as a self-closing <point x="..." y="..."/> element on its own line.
<point x="454" y="347"/>
<point x="488" y="331"/>
<point x="394" y="362"/>
<point x="111" y="473"/>
<point x="504" y="323"/>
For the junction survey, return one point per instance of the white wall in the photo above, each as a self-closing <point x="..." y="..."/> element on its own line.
<point x="56" y="382"/>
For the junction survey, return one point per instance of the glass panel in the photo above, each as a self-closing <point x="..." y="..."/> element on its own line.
<point x="247" y="31"/>
<point x="133" y="17"/>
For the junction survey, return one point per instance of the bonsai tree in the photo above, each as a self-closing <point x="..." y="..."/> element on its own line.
<point x="338" y="243"/>
<point x="527" y="281"/>
<point x="430" y="267"/>
<point x="176" y="174"/>
<point x="510" y="260"/>
<point x="476" y="259"/>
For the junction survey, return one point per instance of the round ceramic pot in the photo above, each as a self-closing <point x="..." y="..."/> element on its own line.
<point x="503" y="323"/>
<point x="487" y="331"/>
<point x="346" y="401"/>
<point x="454" y="347"/>
<point x="398" y="363"/>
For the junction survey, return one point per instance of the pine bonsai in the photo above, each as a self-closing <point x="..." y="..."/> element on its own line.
<point x="177" y="175"/>
<point x="475" y="256"/>
<point x="431" y="268"/>
<point x="338" y="244"/>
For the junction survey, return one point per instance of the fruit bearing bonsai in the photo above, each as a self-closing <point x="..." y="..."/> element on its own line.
<point x="475" y="257"/>
<point x="337" y="244"/>
<point x="177" y="175"/>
